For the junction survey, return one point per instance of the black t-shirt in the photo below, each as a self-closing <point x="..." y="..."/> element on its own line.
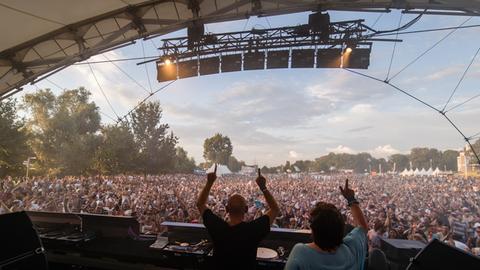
<point x="235" y="247"/>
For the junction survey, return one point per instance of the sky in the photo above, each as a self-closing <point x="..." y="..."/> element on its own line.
<point x="273" y="116"/>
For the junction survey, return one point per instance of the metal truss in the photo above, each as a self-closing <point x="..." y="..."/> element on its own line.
<point x="350" y="33"/>
<point x="52" y="52"/>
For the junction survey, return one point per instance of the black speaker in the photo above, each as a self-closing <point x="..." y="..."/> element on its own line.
<point x="209" y="65"/>
<point x="187" y="68"/>
<point x="329" y="58"/>
<point x="21" y="247"/>
<point x="231" y="62"/>
<point x="400" y="251"/>
<point x="320" y="23"/>
<point x="277" y="59"/>
<point x="303" y="58"/>
<point x="254" y="60"/>
<point x="439" y="255"/>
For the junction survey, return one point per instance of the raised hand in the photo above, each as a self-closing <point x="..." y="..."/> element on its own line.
<point x="261" y="181"/>
<point x="347" y="192"/>
<point x="211" y="177"/>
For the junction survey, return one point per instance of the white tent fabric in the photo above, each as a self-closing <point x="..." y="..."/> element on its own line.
<point x="221" y="169"/>
<point x="41" y="37"/>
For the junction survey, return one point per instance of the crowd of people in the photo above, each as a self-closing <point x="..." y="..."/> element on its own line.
<point x="419" y="208"/>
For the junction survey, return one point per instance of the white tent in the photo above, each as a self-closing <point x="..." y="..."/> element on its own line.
<point x="221" y="169"/>
<point x="437" y="172"/>
<point x="423" y="172"/>
<point x="404" y="172"/>
<point x="430" y="172"/>
<point x="416" y="172"/>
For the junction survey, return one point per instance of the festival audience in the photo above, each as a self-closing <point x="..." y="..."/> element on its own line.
<point x="421" y="208"/>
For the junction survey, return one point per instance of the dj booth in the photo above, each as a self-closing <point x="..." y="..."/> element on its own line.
<point x="87" y="241"/>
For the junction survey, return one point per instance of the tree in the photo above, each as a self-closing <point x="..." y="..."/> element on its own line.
<point x="155" y="145"/>
<point x="476" y="147"/>
<point x="401" y="162"/>
<point x="183" y="164"/>
<point x="449" y="160"/>
<point x="13" y="139"/>
<point x="63" y="130"/>
<point x="424" y="157"/>
<point x="234" y="165"/>
<point x="217" y="149"/>
<point x="117" y="152"/>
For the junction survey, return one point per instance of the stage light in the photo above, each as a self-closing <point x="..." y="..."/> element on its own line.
<point x="168" y="62"/>
<point x="348" y="50"/>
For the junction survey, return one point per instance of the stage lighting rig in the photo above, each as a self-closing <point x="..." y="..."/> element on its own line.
<point x="319" y="44"/>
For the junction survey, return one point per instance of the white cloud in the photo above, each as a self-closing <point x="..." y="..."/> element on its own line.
<point x="336" y="119"/>
<point x="383" y="151"/>
<point x="341" y="149"/>
<point x="361" y="109"/>
<point x="293" y="154"/>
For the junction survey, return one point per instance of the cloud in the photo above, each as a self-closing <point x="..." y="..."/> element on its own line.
<point x="358" y="129"/>
<point x="336" y="119"/>
<point x="383" y="151"/>
<point x="293" y="154"/>
<point x="341" y="149"/>
<point x="362" y="109"/>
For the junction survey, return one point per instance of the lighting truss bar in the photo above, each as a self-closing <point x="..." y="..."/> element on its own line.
<point x="345" y="32"/>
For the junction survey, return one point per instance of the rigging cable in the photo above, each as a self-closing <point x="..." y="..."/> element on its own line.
<point x="430" y="30"/>
<point x="429" y="49"/>
<point x="101" y="90"/>
<point x="53" y="83"/>
<point x="468" y="140"/>
<point x="461" y="79"/>
<point x="126" y="74"/>
<point x="394" y="49"/>
<point x="463" y="103"/>
<point x="146" y="68"/>
<point x="121" y="119"/>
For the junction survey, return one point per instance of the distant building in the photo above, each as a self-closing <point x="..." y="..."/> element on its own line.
<point x="466" y="164"/>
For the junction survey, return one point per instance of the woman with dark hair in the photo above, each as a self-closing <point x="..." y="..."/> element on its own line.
<point x="330" y="249"/>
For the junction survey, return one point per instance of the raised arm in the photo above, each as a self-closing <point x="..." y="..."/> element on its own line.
<point x="357" y="213"/>
<point x="274" y="210"/>
<point x="203" y="197"/>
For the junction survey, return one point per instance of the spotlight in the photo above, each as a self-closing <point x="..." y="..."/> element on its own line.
<point x="348" y="50"/>
<point x="168" y="61"/>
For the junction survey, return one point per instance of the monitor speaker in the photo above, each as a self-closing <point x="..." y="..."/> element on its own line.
<point x="439" y="255"/>
<point x="400" y="251"/>
<point x="21" y="247"/>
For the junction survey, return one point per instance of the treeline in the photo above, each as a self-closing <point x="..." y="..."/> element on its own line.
<point x="364" y="162"/>
<point x="65" y="135"/>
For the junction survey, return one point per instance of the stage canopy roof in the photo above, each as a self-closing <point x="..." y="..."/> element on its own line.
<point x="38" y="38"/>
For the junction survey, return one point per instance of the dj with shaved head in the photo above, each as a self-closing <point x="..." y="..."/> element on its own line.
<point x="235" y="241"/>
